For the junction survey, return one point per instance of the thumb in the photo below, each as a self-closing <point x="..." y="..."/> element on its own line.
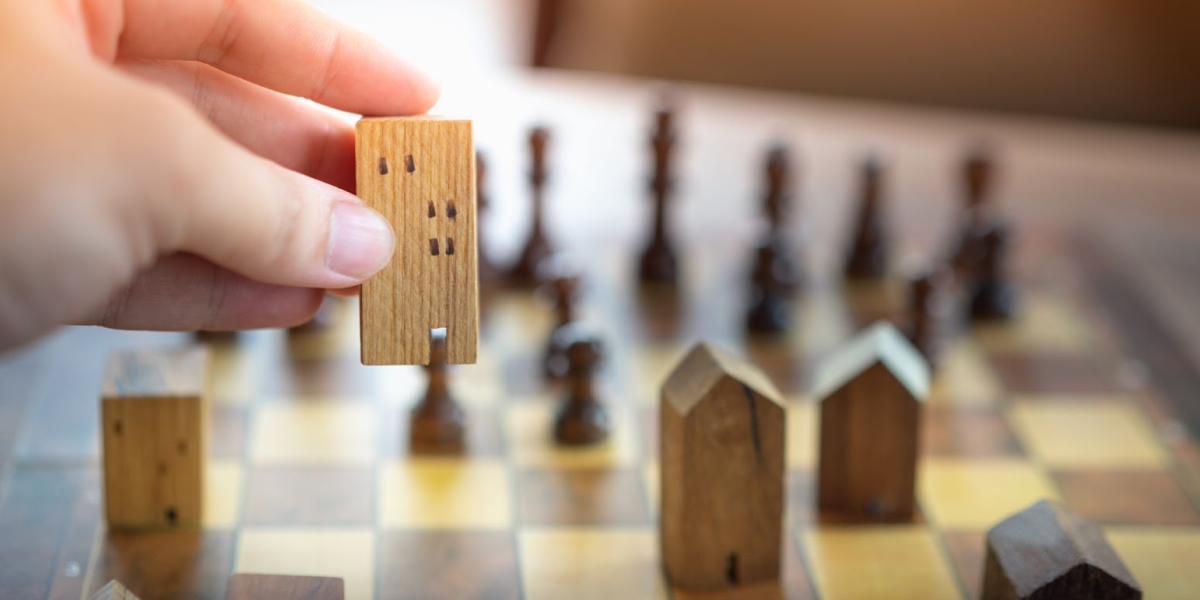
<point x="254" y="217"/>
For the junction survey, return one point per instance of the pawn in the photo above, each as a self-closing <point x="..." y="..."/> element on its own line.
<point x="565" y="288"/>
<point x="768" y="311"/>
<point x="537" y="248"/>
<point x="581" y="420"/>
<point x="437" y="421"/>
<point x="868" y="253"/>
<point x="926" y="308"/>
<point x="992" y="297"/>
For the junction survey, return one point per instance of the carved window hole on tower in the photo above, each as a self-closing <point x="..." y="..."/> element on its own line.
<point x="432" y="211"/>
<point x="731" y="568"/>
<point x="433" y="247"/>
<point x="451" y="210"/>
<point x="383" y="169"/>
<point x="449" y="246"/>
<point x="409" y="165"/>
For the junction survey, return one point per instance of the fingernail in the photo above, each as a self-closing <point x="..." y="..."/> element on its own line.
<point x="361" y="242"/>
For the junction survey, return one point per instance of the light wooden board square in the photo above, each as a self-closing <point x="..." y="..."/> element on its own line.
<point x="1045" y="322"/>
<point x="530" y="432"/>
<point x="1083" y="433"/>
<point x="964" y="377"/>
<point x="974" y="494"/>
<point x="1166" y="561"/>
<point x="590" y="564"/>
<point x="314" y="432"/>
<point x="222" y="494"/>
<point x="802" y="434"/>
<point x="445" y="493"/>
<point x="348" y="553"/>
<point x="867" y="563"/>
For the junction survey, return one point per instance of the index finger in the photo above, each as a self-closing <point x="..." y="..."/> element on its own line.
<point x="285" y="45"/>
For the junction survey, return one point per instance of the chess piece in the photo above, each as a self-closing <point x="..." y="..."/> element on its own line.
<point x="870" y="393"/>
<point x="1048" y="551"/>
<point x="658" y="261"/>
<point x="245" y="586"/>
<point x="776" y="204"/>
<point x="977" y="174"/>
<point x="113" y="590"/>
<point x="768" y="297"/>
<point x="868" y="253"/>
<point x="537" y="248"/>
<point x="154" y="439"/>
<point x="582" y="419"/>
<point x="437" y="421"/>
<point x="419" y="174"/>
<point x="928" y="298"/>
<point x="489" y="273"/>
<point x="565" y="287"/>
<point x="722" y="433"/>
<point x="993" y="298"/>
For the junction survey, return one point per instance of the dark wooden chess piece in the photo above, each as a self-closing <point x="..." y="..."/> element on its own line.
<point x="868" y="252"/>
<point x="525" y="272"/>
<point x="769" y="310"/>
<point x="993" y="298"/>
<point x="437" y="421"/>
<point x="928" y="299"/>
<point x="977" y="175"/>
<point x="582" y="419"/>
<point x="776" y="205"/>
<point x="565" y="287"/>
<point x="489" y="273"/>
<point x="658" y="261"/>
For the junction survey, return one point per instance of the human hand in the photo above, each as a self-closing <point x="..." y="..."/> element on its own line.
<point x="155" y="173"/>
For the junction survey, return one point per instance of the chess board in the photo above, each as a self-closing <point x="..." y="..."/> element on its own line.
<point x="311" y="471"/>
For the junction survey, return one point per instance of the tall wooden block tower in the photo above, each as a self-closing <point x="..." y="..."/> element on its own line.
<point x="722" y="473"/>
<point x="419" y="173"/>
<point x="154" y="415"/>
<point x="871" y="392"/>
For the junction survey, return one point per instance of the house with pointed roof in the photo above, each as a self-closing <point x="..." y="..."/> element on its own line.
<point x="722" y="472"/>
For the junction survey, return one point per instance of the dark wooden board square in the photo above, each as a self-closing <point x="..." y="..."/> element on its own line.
<point x="794" y="582"/>
<point x="1127" y="497"/>
<point x="175" y="564"/>
<point x="967" y="432"/>
<point x="310" y="496"/>
<point x="458" y="565"/>
<point x="582" y="497"/>
<point x="1050" y="374"/>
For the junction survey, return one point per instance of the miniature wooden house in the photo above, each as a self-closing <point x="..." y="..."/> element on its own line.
<point x="1048" y="551"/>
<point x="419" y="173"/>
<point x="722" y="475"/>
<point x="870" y="393"/>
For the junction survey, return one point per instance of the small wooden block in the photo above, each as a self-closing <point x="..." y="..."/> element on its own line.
<point x="246" y="586"/>
<point x="870" y="393"/>
<point x="113" y="591"/>
<point x="419" y="173"/>
<point x="154" y="415"/>
<point x="722" y="443"/>
<point x="1048" y="551"/>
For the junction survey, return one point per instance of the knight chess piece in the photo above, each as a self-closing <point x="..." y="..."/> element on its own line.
<point x="582" y="419"/>
<point x="437" y="420"/>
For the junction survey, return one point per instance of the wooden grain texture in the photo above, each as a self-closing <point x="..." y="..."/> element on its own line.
<point x="871" y="393"/>
<point x="722" y="459"/>
<point x="113" y="591"/>
<point x="154" y="417"/>
<point x="1048" y="551"/>
<point x="419" y="173"/>
<point x="246" y="586"/>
